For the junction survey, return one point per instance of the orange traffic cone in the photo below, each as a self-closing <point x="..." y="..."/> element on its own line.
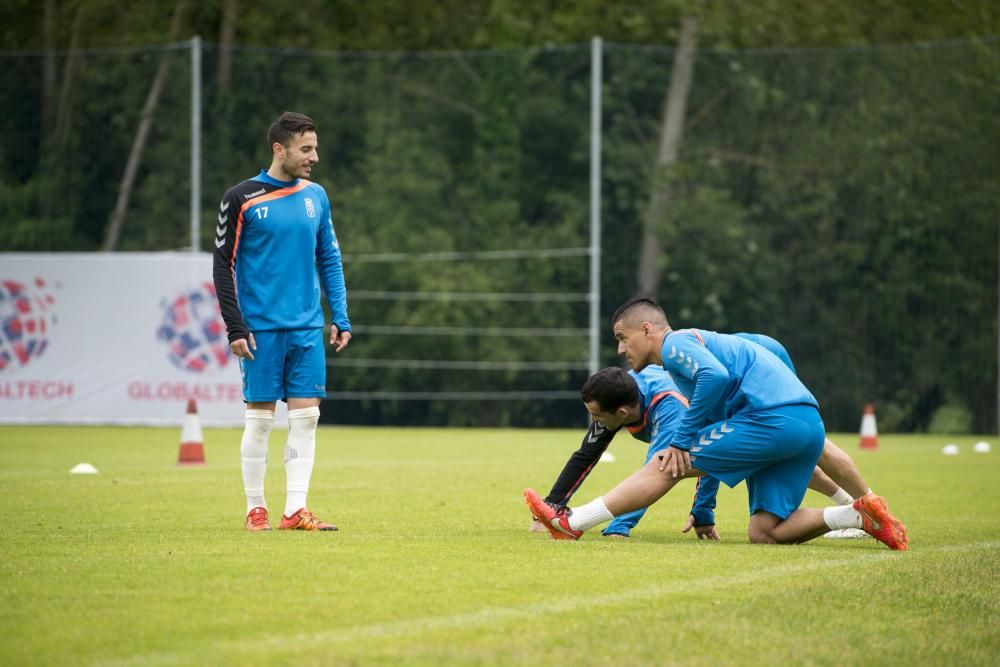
<point x="192" y="449"/>
<point x="869" y="431"/>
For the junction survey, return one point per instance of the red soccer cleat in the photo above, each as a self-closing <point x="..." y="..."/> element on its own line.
<point x="257" y="520"/>
<point x="303" y="519"/>
<point x="555" y="519"/>
<point x="880" y="523"/>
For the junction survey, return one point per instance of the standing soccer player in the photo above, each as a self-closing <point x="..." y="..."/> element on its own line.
<point x="275" y="248"/>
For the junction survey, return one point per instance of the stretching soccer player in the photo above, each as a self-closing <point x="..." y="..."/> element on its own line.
<point x="649" y="405"/>
<point x="275" y="248"/>
<point x="835" y="475"/>
<point x="749" y="418"/>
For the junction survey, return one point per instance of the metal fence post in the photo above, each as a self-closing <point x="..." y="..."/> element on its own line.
<point x="195" y="143"/>
<point x="595" y="202"/>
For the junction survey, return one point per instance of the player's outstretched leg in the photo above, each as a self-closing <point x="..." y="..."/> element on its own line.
<point x="878" y="522"/>
<point x="555" y="519"/>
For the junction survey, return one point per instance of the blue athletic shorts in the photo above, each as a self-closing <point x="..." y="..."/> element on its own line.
<point x="286" y="364"/>
<point x="774" y="450"/>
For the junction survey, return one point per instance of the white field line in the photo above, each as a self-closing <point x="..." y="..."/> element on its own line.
<point x="492" y="615"/>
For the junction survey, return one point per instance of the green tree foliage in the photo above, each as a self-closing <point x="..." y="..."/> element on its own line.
<point x="836" y="187"/>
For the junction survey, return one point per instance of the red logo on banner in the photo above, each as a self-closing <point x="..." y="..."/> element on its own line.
<point x="26" y="314"/>
<point x="193" y="330"/>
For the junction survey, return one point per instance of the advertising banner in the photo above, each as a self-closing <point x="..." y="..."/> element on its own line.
<point x="122" y="338"/>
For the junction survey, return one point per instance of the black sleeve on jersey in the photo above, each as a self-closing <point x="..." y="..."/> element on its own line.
<point x="224" y="260"/>
<point x="580" y="463"/>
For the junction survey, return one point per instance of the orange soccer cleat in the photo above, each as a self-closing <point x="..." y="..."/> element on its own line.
<point x="555" y="519"/>
<point x="257" y="520"/>
<point x="880" y="523"/>
<point x="303" y="519"/>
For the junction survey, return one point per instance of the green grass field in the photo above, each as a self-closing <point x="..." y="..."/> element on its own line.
<point x="147" y="563"/>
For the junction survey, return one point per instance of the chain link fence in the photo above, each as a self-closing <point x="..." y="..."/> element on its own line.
<point x="843" y="201"/>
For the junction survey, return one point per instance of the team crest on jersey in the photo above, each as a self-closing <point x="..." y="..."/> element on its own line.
<point x="310" y="208"/>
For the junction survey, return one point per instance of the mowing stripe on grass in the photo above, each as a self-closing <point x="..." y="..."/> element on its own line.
<point x="492" y="615"/>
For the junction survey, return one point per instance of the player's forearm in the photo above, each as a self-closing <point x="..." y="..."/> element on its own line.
<point x="331" y="273"/>
<point x="580" y="463"/>
<point x="709" y="389"/>
<point x="704" y="501"/>
<point x="225" y="290"/>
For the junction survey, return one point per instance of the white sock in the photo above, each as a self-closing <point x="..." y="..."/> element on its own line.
<point x="592" y="514"/>
<point x="842" y="497"/>
<point x="841" y="516"/>
<point x="300" y="453"/>
<point x="253" y="454"/>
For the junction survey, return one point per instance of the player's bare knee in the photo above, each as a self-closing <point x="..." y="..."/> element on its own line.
<point x="761" y="528"/>
<point x="760" y="535"/>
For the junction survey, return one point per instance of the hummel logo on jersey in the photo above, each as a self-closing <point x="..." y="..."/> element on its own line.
<point x="598" y="432"/>
<point x="310" y="208"/>
<point x="220" y="229"/>
<point x="251" y="195"/>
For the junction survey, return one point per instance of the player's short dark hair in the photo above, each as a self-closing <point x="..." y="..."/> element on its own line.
<point x="634" y="303"/>
<point x="611" y="388"/>
<point x="287" y="126"/>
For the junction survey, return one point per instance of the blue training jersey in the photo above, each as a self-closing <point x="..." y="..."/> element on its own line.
<point x="275" y="248"/>
<point x="722" y="375"/>
<point x="662" y="406"/>
<point x="772" y="346"/>
<point x="660" y="417"/>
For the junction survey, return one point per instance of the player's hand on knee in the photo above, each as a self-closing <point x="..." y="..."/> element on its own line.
<point x="675" y="462"/>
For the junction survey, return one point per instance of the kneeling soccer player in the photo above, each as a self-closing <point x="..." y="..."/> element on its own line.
<point x="649" y="406"/>
<point x="750" y="418"/>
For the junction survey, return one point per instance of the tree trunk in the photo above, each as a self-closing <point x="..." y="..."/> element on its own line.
<point x="670" y="138"/>
<point x="56" y="109"/>
<point x="117" y="219"/>
<point x="227" y="32"/>
<point x="66" y="86"/>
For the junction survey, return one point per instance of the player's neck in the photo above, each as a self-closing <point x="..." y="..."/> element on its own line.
<point x="658" y="348"/>
<point x="634" y="415"/>
<point x="278" y="173"/>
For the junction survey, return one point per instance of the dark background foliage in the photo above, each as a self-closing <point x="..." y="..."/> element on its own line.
<point x="836" y="187"/>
